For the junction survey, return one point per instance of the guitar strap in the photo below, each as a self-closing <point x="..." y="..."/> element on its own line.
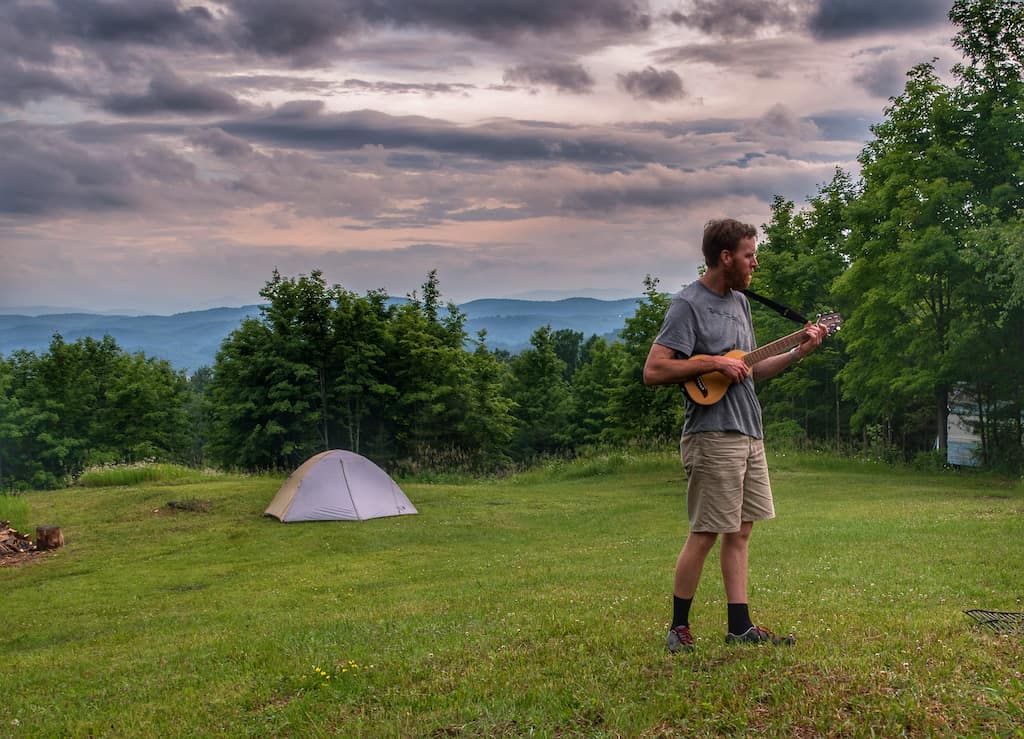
<point x="784" y="311"/>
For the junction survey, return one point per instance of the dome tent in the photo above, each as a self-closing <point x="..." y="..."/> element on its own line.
<point x="338" y="485"/>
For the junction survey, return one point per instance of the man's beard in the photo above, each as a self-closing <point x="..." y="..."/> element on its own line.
<point x="738" y="279"/>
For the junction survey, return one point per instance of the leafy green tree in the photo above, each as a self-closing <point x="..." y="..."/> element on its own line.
<point x="803" y="255"/>
<point x="909" y="278"/>
<point x="264" y="403"/>
<point x="568" y="345"/>
<point x="298" y="312"/>
<point x="487" y="427"/>
<point x="991" y="335"/>
<point x="200" y="411"/>
<point x="144" y="414"/>
<point x="426" y="363"/>
<point x="10" y="433"/>
<point x="593" y="386"/>
<point x="540" y="394"/>
<point x="361" y="390"/>
<point x="635" y="410"/>
<point x="88" y="402"/>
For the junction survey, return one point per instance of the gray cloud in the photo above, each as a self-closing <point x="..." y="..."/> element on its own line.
<point x="307" y="31"/>
<point x="221" y="144"/>
<point x="43" y="171"/>
<point x="652" y="84"/>
<point x="499" y="19"/>
<point x="21" y="84"/>
<point x="168" y="93"/>
<point x="883" y="78"/>
<point x="780" y="122"/>
<point x="407" y="88"/>
<point x="132" y="21"/>
<point x="835" y="19"/>
<point x="736" y="19"/>
<point x="310" y="31"/>
<point x="381" y="171"/>
<point x="263" y="82"/>
<point x="304" y="125"/>
<point x="572" y="78"/>
<point x="750" y="56"/>
<point x="42" y="42"/>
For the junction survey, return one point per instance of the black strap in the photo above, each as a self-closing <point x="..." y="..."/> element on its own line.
<point x="785" y="311"/>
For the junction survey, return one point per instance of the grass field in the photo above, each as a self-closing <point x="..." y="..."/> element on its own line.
<point x="532" y="605"/>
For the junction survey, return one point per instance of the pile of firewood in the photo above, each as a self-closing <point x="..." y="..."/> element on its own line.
<point x="13" y="541"/>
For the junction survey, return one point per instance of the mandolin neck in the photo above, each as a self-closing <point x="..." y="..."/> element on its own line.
<point x="776" y="347"/>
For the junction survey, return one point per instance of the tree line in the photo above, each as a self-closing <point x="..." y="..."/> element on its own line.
<point x="321" y="368"/>
<point x="921" y="251"/>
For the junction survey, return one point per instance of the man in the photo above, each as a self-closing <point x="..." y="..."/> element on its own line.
<point x="722" y="444"/>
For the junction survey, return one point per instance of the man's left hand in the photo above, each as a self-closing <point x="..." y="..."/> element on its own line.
<point x="815" y="334"/>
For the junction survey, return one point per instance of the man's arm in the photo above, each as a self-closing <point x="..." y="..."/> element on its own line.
<point x="663" y="368"/>
<point x="768" y="368"/>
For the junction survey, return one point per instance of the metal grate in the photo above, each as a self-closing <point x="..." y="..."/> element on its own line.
<point x="1000" y="622"/>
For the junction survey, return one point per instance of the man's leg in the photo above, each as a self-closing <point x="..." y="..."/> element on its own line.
<point x="734" y="556"/>
<point x="691" y="563"/>
<point x="688" y="568"/>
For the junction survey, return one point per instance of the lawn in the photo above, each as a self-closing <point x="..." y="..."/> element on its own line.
<point x="531" y="605"/>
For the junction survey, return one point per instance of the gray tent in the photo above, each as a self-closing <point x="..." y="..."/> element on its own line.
<point x="338" y="486"/>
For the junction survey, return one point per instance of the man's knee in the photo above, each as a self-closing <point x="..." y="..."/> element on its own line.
<point x="701" y="541"/>
<point x="738" y="537"/>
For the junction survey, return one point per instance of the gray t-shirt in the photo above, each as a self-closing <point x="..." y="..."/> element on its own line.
<point x="699" y="321"/>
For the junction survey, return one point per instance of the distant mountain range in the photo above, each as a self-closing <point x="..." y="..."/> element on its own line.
<point x="191" y="340"/>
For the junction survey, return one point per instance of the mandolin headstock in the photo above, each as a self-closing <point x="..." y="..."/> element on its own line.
<point x="831" y="321"/>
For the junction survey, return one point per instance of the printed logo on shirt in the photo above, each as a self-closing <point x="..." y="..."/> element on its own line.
<point x="725" y="314"/>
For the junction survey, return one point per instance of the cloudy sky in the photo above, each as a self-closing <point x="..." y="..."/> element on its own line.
<point x="167" y="155"/>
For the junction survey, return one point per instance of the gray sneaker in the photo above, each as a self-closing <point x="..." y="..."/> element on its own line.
<point x="758" y="635"/>
<point x="679" y="639"/>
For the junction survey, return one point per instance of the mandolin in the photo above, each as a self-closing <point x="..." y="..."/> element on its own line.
<point x="709" y="388"/>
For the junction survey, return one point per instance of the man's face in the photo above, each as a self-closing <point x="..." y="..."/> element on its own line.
<point x="740" y="264"/>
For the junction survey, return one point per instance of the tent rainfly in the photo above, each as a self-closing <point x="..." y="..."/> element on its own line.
<point x="338" y="486"/>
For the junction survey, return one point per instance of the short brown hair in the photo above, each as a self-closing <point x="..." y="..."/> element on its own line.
<point x="724" y="233"/>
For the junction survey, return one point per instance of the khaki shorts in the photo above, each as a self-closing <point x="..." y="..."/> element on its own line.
<point x="727" y="481"/>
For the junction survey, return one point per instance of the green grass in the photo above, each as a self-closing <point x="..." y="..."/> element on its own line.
<point x="536" y="604"/>
<point x="135" y="474"/>
<point x="15" y="508"/>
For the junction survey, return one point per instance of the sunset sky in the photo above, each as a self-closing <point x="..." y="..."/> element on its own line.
<point x="163" y="156"/>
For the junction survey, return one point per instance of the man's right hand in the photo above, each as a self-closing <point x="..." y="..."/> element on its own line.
<point x="735" y="369"/>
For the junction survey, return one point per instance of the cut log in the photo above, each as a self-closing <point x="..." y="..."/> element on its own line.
<point x="49" y="537"/>
<point x="14" y="542"/>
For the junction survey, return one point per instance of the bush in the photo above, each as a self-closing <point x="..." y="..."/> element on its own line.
<point x="134" y="474"/>
<point x="930" y="461"/>
<point x="786" y="434"/>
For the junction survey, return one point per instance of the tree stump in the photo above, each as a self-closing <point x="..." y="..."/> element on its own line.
<point x="49" y="537"/>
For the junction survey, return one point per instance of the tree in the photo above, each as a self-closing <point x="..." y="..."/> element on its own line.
<point x="909" y="277"/>
<point x="361" y="389"/>
<point x="635" y="410"/>
<point x="540" y="394"/>
<point x="200" y="411"/>
<point x="426" y="363"/>
<point x="265" y="415"/>
<point x="568" y="345"/>
<point x="85" y="403"/>
<point x="10" y="432"/>
<point x="803" y="255"/>
<point x="593" y="386"/>
<point x="487" y="428"/>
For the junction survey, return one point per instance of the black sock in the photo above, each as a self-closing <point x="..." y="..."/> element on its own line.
<point x="739" y="618"/>
<point x="681" y="611"/>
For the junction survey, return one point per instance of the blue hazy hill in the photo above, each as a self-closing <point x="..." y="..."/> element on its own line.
<point x="190" y="340"/>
